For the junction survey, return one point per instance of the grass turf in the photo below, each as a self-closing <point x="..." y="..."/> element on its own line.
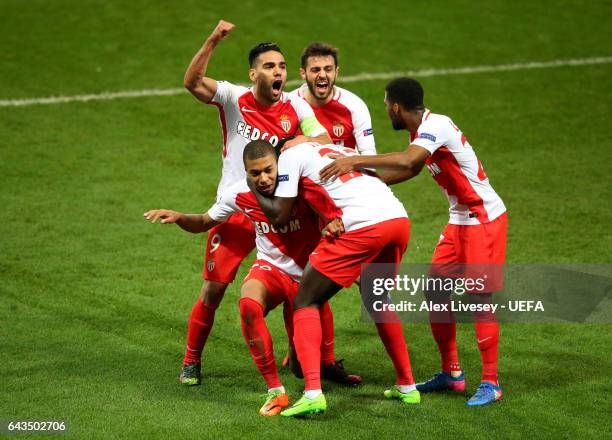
<point x="94" y="302"/>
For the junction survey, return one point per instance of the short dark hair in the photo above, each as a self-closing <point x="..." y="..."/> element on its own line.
<point x="406" y="92"/>
<point x="262" y="48"/>
<point x="257" y="149"/>
<point x="317" y="49"/>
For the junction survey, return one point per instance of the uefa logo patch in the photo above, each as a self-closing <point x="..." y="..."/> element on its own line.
<point x="210" y="265"/>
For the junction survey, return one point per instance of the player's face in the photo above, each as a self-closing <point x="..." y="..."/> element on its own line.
<point x="320" y="75"/>
<point x="262" y="172"/>
<point x="394" y="112"/>
<point x="269" y="75"/>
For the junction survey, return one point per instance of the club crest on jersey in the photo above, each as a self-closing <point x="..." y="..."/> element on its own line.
<point x="338" y="129"/>
<point x="285" y="123"/>
<point x="210" y="265"/>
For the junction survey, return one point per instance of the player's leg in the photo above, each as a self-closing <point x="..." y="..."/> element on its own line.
<point x="333" y="265"/>
<point x="394" y="236"/>
<point x="227" y="245"/>
<point x="328" y="356"/>
<point x="260" y="293"/>
<point x="487" y="243"/>
<point x="442" y="322"/>
<point x="199" y="326"/>
<point x="315" y="289"/>
<point x="332" y="369"/>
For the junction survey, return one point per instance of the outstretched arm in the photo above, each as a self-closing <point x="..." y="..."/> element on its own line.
<point x="199" y="85"/>
<point x="405" y="164"/>
<point x="194" y="223"/>
<point x="277" y="209"/>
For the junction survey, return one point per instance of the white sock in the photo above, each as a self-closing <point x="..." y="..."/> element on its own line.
<point x="405" y="389"/>
<point x="280" y="389"/>
<point x="455" y="374"/>
<point x="313" y="394"/>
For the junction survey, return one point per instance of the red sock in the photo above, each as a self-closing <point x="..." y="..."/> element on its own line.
<point x="487" y="334"/>
<point x="327" y="330"/>
<point x="198" y="328"/>
<point x="445" y="334"/>
<point x="392" y="336"/>
<point x="258" y="340"/>
<point x="307" y="341"/>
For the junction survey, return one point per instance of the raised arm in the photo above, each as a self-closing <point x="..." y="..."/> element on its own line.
<point x="195" y="80"/>
<point x="194" y="223"/>
<point x="405" y="164"/>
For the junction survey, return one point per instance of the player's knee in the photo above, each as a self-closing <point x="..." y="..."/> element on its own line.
<point x="485" y="314"/>
<point x="213" y="292"/>
<point x="302" y="301"/>
<point x="250" y="310"/>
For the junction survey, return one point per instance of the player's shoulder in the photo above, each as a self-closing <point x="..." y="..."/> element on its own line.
<point x="348" y="98"/>
<point x="298" y="92"/>
<point x="229" y="91"/>
<point x="435" y="121"/>
<point x="238" y="187"/>
<point x="294" y="98"/>
<point x="230" y="85"/>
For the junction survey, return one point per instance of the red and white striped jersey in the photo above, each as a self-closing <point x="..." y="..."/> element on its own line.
<point x="346" y="118"/>
<point x="287" y="247"/>
<point x="243" y="119"/>
<point x="454" y="165"/>
<point x="364" y="199"/>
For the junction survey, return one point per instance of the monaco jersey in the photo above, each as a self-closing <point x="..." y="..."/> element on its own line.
<point x="243" y="119"/>
<point x="363" y="199"/>
<point x="455" y="167"/>
<point x="346" y="118"/>
<point x="287" y="247"/>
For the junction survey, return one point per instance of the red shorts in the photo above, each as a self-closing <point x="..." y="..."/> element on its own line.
<point x="341" y="259"/>
<point x="279" y="285"/>
<point x="475" y="248"/>
<point x="228" y="244"/>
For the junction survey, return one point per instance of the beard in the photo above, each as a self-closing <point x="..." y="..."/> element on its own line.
<point x="397" y="123"/>
<point x="312" y="86"/>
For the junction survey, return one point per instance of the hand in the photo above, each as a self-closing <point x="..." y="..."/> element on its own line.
<point x="333" y="229"/>
<point x="341" y="165"/>
<point x="221" y="31"/>
<point x="166" y="215"/>
<point x="295" y="141"/>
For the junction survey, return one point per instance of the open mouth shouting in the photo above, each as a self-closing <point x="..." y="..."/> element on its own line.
<point x="322" y="86"/>
<point x="277" y="86"/>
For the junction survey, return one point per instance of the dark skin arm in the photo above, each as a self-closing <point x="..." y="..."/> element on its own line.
<point x="403" y="165"/>
<point x="277" y="209"/>
<point x="194" y="223"/>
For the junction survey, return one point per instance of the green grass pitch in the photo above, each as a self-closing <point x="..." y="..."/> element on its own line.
<point x="94" y="301"/>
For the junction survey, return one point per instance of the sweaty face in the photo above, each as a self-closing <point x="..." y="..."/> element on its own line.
<point x="262" y="172"/>
<point x="393" y="112"/>
<point x="320" y="75"/>
<point x="269" y="75"/>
